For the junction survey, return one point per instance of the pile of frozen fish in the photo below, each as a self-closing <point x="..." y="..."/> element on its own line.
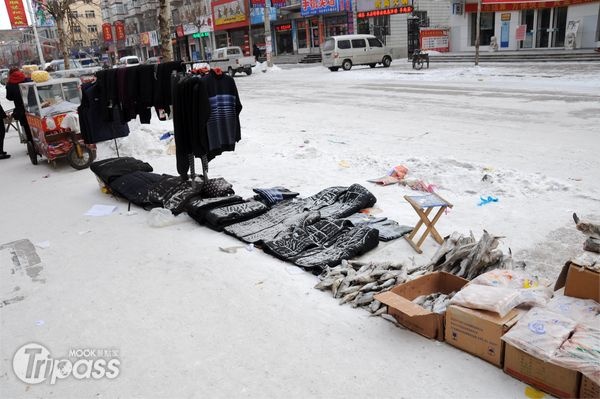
<point x="592" y="231"/>
<point x="436" y="303"/>
<point x="468" y="258"/>
<point x="357" y="282"/>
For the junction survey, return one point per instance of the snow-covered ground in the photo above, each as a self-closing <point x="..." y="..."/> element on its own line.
<point x="192" y="321"/>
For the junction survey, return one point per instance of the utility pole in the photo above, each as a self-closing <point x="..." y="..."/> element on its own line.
<point x="35" y="34"/>
<point x="478" y="32"/>
<point x="268" y="46"/>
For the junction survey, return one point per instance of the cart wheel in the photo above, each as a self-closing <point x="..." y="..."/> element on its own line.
<point x="248" y="71"/>
<point x="418" y="64"/>
<point x="80" y="162"/>
<point x="31" y="152"/>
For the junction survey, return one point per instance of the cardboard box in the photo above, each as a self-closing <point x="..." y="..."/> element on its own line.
<point x="548" y="377"/>
<point x="579" y="281"/>
<point x="479" y="332"/>
<point x="413" y="316"/>
<point x="589" y="389"/>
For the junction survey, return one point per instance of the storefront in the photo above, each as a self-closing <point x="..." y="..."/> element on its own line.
<point x="509" y="25"/>
<point x="284" y="43"/>
<point x="322" y="19"/>
<point x="230" y="22"/>
<point x="373" y="16"/>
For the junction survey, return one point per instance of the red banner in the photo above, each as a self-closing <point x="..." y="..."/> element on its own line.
<point x="511" y="5"/>
<point x="389" y="11"/>
<point x="107" y="32"/>
<point x="120" y="30"/>
<point x="179" y="31"/>
<point x="16" y="13"/>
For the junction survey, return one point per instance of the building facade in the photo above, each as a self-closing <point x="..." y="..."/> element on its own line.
<point x="508" y="25"/>
<point x="85" y="26"/>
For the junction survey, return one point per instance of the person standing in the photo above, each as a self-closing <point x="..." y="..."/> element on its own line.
<point x="255" y="51"/>
<point x="3" y="154"/>
<point x="16" y="76"/>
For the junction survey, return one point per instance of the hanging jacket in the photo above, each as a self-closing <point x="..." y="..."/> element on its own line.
<point x="94" y="128"/>
<point x="223" y="126"/>
<point x="191" y="110"/>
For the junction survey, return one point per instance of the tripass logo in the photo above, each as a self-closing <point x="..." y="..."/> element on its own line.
<point x="33" y="364"/>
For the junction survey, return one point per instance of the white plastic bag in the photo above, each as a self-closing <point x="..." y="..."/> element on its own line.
<point x="581" y="352"/>
<point x="583" y="311"/>
<point x="161" y="217"/>
<point x="495" y="299"/>
<point x="533" y="291"/>
<point x="540" y="332"/>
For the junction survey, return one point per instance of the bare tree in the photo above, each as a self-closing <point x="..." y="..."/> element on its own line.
<point x="60" y="10"/>
<point x="164" y="26"/>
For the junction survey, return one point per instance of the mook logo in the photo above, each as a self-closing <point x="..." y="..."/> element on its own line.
<point x="33" y="364"/>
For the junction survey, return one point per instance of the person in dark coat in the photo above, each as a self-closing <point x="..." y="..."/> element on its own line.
<point x="16" y="76"/>
<point x="3" y="154"/>
<point x="255" y="51"/>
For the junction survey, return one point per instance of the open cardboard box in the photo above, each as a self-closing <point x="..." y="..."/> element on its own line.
<point x="399" y="302"/>
<point x="479" y="332"/>
<point x="588" y="389"/>
<point x="579" y="280"/>
<point x="556" y="380"/>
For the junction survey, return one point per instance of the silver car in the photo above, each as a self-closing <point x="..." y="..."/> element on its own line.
<point x="348" y="50"/>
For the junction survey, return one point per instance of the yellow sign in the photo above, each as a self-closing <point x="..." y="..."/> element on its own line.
<point x="505" y="16"/>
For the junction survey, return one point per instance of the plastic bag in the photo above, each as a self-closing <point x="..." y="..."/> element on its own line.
<point x="583" y="311"/>
<point x="510" y="279"/>
<point x="581" y="352"/>
<point x="495" y="299"/>
<point x="533" y="291"/>
<point x="161" y="217"/>
<point x="540" y="333"/>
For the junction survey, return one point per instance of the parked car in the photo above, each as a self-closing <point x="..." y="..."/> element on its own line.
<point x="153" y="60"/>
<point x="59" y="65"/>
<point x="232" y="60"/>
<point x="3" y="76"/>
<point x="89" y="62"/>
<point x="129" y="61"/>
<point x="348" y="50"/>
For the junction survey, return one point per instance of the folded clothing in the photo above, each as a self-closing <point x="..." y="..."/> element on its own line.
<point x="135" y="187"/>
<point x="316" y="243"/>
<point x="388" y="229"/>
<point x="333" y="202"/>
<point x="110" y="169"/>
<point x="273" y="195"/>
<point x="218" y="218"/>
<point x="198" y="207"/>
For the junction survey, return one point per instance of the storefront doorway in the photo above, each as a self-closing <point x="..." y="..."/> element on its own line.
<point x="314" y="35"/>
<point x="545" y="27"/>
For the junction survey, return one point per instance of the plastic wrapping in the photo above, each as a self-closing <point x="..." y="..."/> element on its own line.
<point x="540" y="333"/>
<point x="583" y="311"/>
<point x="533" y="291"/>
<point x="581" y="352"/>
<point x="495" y="299"/>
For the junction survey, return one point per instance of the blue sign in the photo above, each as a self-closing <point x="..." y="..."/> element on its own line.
<point x="257" y="15"/>
<point x="315" y="7"/>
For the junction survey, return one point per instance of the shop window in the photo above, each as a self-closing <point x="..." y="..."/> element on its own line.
<point x="363" y="26"/>
<point x="381" y="27"/>
<point x="487" y="28"/>
<point x="302" y="43"/>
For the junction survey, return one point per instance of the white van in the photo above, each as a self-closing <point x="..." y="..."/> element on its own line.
<point x="348" y="50"/>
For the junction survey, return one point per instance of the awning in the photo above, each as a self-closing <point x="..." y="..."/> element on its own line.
<point x="511" y="5"/>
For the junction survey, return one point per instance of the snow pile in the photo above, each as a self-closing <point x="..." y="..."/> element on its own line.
<point x="143" y="141"/>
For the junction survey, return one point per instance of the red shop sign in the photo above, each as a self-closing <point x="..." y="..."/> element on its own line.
<point x="107" y="32"/>
<point x="283" y="28"/>
<point x="179" y="31"/>
<point x="120" y="30"/>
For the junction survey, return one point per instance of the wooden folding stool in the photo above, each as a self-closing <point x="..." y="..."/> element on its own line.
<point x="424" y="205"/>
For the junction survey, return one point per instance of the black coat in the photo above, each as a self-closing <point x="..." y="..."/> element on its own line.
<point x="14" y="94"/>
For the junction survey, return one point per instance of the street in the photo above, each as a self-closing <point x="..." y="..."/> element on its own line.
<point x="189" y="320"/>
